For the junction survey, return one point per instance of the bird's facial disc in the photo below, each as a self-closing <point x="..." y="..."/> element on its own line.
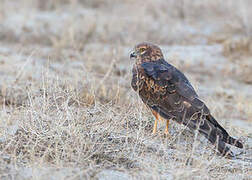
<point x="142" y="50"/>
<point x="138" y="51"/>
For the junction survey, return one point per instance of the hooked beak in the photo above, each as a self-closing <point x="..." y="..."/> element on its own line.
<point x="133" y="55"/>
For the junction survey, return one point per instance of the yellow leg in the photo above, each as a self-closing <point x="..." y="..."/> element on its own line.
<point x="155" y="127"/>
<point x="166" y="127"/>
<point x="156" y="121"/>
<point x="157" y="118"/>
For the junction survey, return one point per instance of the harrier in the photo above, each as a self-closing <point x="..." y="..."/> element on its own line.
<point x="169" y="95"/>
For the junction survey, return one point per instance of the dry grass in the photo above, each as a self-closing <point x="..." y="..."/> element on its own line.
<point x="66" y="106"/>
<point x="239" y="50"/>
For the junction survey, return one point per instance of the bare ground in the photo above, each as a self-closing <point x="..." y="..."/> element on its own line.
<point x="67" y="110"/>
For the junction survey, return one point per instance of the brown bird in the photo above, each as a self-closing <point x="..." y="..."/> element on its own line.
<point x="169" y="95"/>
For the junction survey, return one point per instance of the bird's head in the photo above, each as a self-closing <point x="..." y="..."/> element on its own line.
<point x="146" y="52"/>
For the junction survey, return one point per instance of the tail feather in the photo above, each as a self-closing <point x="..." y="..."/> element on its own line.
<point x="212" y="137"/>
<point x="225" y="137"/>
<point x="222" y="148"/>
<point x="234" y="142"/>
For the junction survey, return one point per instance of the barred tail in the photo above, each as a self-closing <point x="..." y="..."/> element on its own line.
<point x="225" y="136"/>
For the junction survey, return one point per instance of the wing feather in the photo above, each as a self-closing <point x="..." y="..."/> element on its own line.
<point x="167" y="75"/>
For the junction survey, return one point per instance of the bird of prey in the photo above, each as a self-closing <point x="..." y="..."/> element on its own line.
<point x="170" y="96"/>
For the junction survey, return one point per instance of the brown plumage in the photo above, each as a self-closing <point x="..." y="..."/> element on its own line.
<point x="169" y="94"/>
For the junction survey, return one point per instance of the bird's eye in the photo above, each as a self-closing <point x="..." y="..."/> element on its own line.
<point x="142" y="50"/>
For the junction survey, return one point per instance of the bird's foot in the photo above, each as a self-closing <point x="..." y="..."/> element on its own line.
<point x="167" y="134"/>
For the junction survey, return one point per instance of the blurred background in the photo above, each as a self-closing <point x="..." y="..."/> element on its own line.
<point x="65" y="75"/>
<point x="72" y="30"/>
<point x="123" y="22"/>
